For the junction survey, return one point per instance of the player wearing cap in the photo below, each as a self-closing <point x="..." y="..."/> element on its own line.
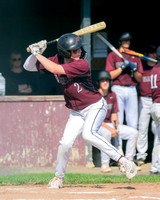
<point x="125" y="76"/>
<point x="88" y="107"/>
<point x="108" y="128"/>
<point x="145" y="105"/>
<point x="155" y="112"/>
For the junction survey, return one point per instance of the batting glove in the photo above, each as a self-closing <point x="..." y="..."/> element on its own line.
<point x="38" y="48"/>
<point x="125" y="64"/>
<point x="133" y="66"/>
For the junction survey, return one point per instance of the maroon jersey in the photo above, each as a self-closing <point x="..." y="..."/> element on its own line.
<point x="76" y="84"/>
<point x="113" y="62"/>
<point x="145" y="84"/>
<point x="112" y="106"/>
<point x="155" y="83"/>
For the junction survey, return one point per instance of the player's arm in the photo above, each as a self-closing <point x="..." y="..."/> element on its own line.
<point x="113" y="131"/>
<point x="50" y="65"/>
<point x="137" y="76"/>
<point x="115" y="73"/>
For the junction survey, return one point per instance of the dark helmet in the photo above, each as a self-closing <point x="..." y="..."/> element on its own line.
<point x="125" y="36"/>
<point x="158" y="53"/>
<point x="69" y="42"/>
<point x="104" y="75"/>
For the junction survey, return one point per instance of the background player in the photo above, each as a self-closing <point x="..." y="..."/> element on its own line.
<point x="145" y="105"/>
<point x="125" y="76"/>
<point x="88" y="108"/>
<point x="155" y="88"/>
<point x="107" y="129"/>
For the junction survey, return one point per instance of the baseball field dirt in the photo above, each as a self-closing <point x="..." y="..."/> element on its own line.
<point x="79" y="192"/>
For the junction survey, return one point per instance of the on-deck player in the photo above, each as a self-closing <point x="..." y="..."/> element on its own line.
<point x="88" y="108"/>
<point x="107" y="129"/>
<point x="145" y="105"/>
<point x="155" y="112"/>
<point x="125" y="76"/>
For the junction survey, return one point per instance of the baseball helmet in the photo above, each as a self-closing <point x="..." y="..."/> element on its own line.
<point x="125" y="36"/>
<point x="69" y="42"/>
<point x="104" y="75"/>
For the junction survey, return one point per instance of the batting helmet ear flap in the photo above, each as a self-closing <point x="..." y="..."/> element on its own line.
<point x="63" y="52"/>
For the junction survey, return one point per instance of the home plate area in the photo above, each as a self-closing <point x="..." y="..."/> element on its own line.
<point x="79" y="192"/>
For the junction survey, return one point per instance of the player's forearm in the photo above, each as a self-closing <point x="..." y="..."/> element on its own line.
<point x="49" y="65"/>
<point x="30" y="63"/>
<point x="106" y="126"/>
<point x="115" y="73"/>
<point x="138" y="76"/>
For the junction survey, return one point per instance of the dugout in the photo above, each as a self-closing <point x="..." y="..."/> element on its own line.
<point x="25" y="22"/>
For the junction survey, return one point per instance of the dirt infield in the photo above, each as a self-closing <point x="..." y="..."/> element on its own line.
<point x="79" y="192"/>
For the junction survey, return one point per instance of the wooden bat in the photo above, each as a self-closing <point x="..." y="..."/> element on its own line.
<point x="110" y="45"/>
<point x="88" y="29"/>
<point x="133" y="53"/>
<point x="119" y="146"/>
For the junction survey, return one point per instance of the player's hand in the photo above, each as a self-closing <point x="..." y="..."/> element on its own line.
<point x="38" y="48"/>
<point x="114" y="132"/>
<point x="133" y="66"/>
<point x="125" y="64"/>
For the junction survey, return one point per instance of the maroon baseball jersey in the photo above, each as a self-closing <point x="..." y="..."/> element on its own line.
<point x="145" y="84"/>
<point x="113" y="62"/>
<point x="76" y="84"/>
<point x="112" y="106"/>
<point x="155" y="83"/>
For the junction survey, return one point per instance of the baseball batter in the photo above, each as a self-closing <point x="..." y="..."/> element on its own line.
<point x="155" y="88"/>
<point x="108" y="129"/>
<point x="125" y="76"/>
<point x="88" y="107"/>
<point x="145" y="105"/>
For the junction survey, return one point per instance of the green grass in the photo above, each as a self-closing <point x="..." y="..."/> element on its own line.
<point x="73" y="179"/>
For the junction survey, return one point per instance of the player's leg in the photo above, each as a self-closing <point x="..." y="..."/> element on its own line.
<point x="93" y="120"/>
<point x="145" y="106"/>
<point x="72" y="130"/>
<point x="130" y="134"/>
<point x="155" y="168"/>
<point x="104" y="157"/>
<point x="120" y="92"/>
<point x="121" y="95"/>
<point x="131" y="107"/>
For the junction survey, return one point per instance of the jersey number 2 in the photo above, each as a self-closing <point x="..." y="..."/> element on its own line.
<point x="153" y="81"/>
<point x="78" y="87"/>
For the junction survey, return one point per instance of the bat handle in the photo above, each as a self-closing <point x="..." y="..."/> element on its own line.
<point x="48" y="43"/>
<point x="115" y="124"/>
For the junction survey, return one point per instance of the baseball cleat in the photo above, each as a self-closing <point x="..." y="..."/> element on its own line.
<point x="55" y="183"/>
<point x="105" y="168"/>
<point x="130" y="169"/>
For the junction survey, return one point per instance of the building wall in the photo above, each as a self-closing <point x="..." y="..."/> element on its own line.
<point x="30" y="130"/>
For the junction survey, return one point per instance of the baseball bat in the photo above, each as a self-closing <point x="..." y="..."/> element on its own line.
<point x="88" y="29"/>
<point x="133" y="53"/>
<point x="110" y="45"/>
<point x="119" y="146"/>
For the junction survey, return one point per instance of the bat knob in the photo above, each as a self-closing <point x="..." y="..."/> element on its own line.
<point x="28" y="49"/>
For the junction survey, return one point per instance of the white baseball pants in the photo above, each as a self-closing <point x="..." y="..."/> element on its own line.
<point x="128" y="103"/>
<point x="155" y="166"/>
<point x="145" y="106"/>
<point x="126" y="133"/>
<point x="87" y="122"/>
